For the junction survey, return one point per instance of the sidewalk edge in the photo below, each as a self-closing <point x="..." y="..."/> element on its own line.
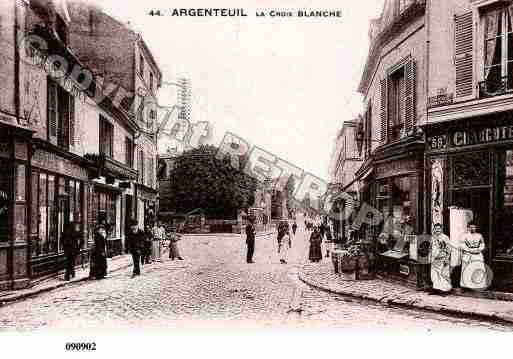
<point x="21" y="296"/>
<point x="400" y="302"/>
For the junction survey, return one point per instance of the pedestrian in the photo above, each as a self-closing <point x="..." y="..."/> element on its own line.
<point x="250" y="240"/>
<point x="147" y="245"/>
<point x="286" y="244"/>
<point x="173" y="243"/>
<point x="294" y="228"/>
<point x="98" y="266"/>
<point x="329" y="241"/>
<point x="440" y="261"/>
<point x="73" y="241"/>
<point x="315" y="252"/>
<point x="473" y="269"/>
<point x="159" y="236"/>
<point x="135" y="241"/>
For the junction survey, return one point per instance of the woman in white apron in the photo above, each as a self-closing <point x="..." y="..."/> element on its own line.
<point x="286" y="244"/>
<point x="473" y="269"/>
<point x="440" y="261"/>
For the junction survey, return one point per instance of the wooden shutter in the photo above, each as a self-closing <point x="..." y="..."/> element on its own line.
<point x="52" y="111"/>
<point x="409" y="96"/>
<point x="71" y="121"/>
<point x="464" y="54"/>
<point x="384" y="110"/>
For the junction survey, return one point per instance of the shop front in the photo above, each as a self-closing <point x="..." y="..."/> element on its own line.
<point x="393" y="186"/>
<point x="14" y="170"/>
<point x="470" y="171"/>
<point x="58" y="182"/>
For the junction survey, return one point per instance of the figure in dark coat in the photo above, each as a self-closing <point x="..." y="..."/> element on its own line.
<point x="315" y="252"/>
<point x="72" y="243"/>
<point x="147" y="245"/>
<point x="250" y="240"/>
<point x="135" y="241"/>
<point x="294" y="228"/>
<point x="98" y="264"/>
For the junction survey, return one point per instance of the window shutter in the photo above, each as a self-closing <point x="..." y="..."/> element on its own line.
<point x="71" y="121"/>
<point x="52" y="112"/>
<point x="384" y="109"/>
<point x="464" y="54"/>
<point x="409" y="96"/>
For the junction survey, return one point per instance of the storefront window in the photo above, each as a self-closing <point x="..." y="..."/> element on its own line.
<point x="4" y="201"/>
<point x="106" y="201"/>
<point x="401" y="205"/>
<point x="52" y="206"/>
<point x="504" y="243"/>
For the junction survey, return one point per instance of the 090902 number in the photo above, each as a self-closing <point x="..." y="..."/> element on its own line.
<point x="81" y="346"/>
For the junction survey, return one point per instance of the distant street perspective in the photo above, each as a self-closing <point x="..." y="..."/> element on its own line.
<point x="214" y="287"/>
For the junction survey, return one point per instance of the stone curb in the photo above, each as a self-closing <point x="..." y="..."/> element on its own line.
<point x="20" y="296"/>
<point x="399" y="301"/>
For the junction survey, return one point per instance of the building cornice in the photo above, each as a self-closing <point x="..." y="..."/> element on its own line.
<point x="469" y="109"/>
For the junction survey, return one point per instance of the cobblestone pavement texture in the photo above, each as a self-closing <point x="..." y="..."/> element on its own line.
<point x="214" y="288"/>
<point x="323" y="277"/>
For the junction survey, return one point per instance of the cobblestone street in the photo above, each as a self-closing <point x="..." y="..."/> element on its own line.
<point x="214" y="287"/>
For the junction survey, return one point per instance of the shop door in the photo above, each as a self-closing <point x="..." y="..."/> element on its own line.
<point x="477" y="200"/>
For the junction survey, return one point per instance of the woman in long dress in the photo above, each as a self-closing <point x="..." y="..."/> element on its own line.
<point x="473" y="269"/>
<point x="98" y="266"/>
<point x="440" y="261"/>
<point x="285" y="245"/>
<point x="315" y="252"/>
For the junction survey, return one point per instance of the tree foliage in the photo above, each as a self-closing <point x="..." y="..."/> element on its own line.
<point x="200" y="180"/>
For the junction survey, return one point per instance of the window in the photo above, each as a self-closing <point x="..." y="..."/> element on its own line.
<point x="505" y="205"/>
<point x="140" y="166"/>
<point x="141" y="66"/>
<point x="61" y="115"/>
<point x="151" y="172"/>
<point x="396" y="105"/>
<point x="498" y="62"/>
<point x="106" y="137"/>
<point x="4" y="199"/>
<point x="129" y="152"/>
<point x="398" y="101"/>
<point x="106" y="201"/>
<point x="368" y="132"/>
<point x="55" y="201"/>
<point x="151" y="82"/>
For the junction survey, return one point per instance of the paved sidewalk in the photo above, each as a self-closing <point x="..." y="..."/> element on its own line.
<point x="322" y="276"/>
<point x="113" y="265"/>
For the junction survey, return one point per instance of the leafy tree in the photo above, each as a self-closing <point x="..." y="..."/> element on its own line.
<point x="200" y="180"/>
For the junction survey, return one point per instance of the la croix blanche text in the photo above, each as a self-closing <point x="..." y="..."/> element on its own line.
<point x="240" y="12"/>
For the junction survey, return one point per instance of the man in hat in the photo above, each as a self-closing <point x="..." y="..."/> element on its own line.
<point x="72" y="242"/>
<point x="135" y="240"/>
<point x="250" y="239"/>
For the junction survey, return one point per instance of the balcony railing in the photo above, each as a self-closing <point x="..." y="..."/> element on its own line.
<point x="490" y="88"/>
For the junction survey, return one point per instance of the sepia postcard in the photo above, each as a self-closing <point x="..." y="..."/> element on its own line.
<point x="176" y="170"/>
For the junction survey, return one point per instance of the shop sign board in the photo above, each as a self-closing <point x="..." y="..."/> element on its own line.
<point x="461" y="138"/>
<point x="52" y="162"/>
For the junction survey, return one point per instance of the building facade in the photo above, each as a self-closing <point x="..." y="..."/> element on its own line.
<point x="391" y="178"/>
<point x="346" y="159"/>
<point x="67" y="149"/>
<point x="127" y="66"/>
<point x="469" y="148"/>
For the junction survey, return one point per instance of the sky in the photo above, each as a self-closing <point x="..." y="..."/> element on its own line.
<point x="283" y="84"/>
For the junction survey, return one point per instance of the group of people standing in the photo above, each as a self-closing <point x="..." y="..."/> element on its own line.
<point x="458" y="262"/>
<point x="145" y="246"/>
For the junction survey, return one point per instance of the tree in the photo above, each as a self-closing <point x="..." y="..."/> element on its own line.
<point x="200" y="180"/>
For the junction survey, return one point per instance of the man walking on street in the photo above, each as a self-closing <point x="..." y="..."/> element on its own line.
<point x="250" y="239"/>
<point x="135" y="242"/>
<point x="72" y="243"/>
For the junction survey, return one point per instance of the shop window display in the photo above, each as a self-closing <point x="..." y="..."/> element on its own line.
<point x="4" y="201"/>
<point x="505" y="205"/>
